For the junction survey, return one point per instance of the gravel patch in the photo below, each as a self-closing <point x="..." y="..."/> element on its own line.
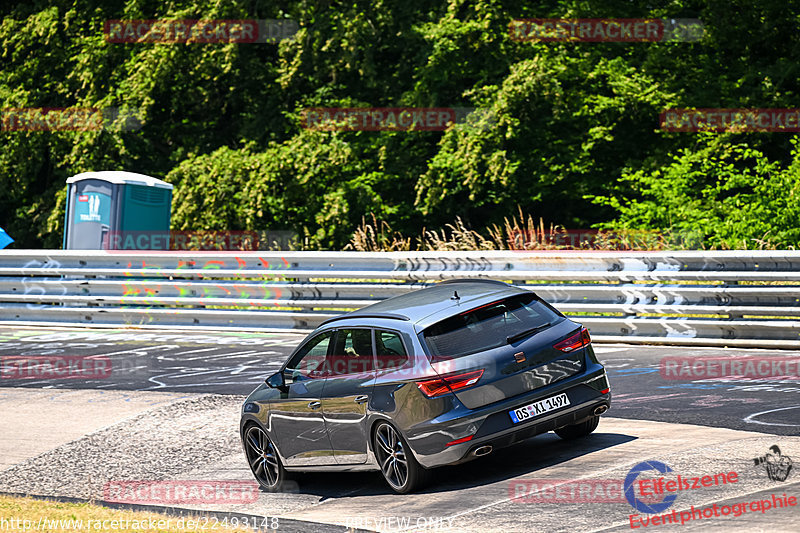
<point x="161" y="444"/>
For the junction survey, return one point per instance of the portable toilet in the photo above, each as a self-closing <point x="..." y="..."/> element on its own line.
<point x="115" y="210"/>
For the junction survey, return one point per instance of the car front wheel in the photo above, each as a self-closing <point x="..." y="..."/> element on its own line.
<point x="263" y="459"/>
<point x="399" y="467"/>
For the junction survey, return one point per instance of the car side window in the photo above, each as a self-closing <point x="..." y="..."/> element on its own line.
<point x="389" y="349"/>
<point x="309" y="362"/>
<point x="352" y="353"/>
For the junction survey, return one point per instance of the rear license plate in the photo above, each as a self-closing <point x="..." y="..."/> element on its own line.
<point x="539" y="408"/>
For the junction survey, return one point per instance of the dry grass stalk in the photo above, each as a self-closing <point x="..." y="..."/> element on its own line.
<point x="367" y="239"/>
<point x="455" y="237"/>
<point x="520" y="232"/>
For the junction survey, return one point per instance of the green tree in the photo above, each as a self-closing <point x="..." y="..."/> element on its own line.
<point x="719" y="194"/>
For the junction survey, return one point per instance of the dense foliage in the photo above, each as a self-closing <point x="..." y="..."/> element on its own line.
<point x="570" y="131"/>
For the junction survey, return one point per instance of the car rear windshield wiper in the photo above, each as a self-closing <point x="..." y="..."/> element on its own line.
<point x="526" y="333"/>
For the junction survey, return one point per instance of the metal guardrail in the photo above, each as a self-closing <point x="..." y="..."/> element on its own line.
<point x="724" y="298"/>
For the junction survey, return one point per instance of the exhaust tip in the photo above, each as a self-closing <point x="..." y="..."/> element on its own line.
<point x="600" y="409"/>
<point x="483" y="450"/>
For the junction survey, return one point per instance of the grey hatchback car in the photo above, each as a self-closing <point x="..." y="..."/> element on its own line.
<point x="435" y="377"/>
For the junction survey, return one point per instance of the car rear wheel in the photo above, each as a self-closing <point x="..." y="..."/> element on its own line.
<point x="399" y="467"/>
<point x="263" y="459"/>
<point x="575" y="431"/>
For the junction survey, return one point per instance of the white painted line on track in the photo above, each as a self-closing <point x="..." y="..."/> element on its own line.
<point x="750" y="421"/>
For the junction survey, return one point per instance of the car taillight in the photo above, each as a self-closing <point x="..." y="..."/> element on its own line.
<point x="449" y="383"/>
<point x="459" y="441"/>
<point x="579" y="340"/>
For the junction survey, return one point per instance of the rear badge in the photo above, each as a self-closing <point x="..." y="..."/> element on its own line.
<point x="519" y="357"/>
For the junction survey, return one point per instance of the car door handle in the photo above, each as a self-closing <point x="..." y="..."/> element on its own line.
<point x="361" y="399"/>
<point x="314" y="405"/>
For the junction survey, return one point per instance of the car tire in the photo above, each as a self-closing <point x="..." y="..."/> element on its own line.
<point x="264" y="461"/>
<point x="398" y="466"/>
<point x="575" y="431"/>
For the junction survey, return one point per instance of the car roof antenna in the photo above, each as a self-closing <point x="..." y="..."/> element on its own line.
<point x="455" y="296"/>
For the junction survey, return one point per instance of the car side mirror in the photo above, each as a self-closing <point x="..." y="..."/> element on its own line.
<point x="276" y="381"/>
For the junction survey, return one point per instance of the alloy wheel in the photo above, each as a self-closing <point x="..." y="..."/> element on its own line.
<point x="262" y="457"/>
<point x="391" y="455"/>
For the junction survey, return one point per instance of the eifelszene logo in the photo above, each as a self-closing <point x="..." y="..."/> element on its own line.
<point x="670" y="488"/>
<point x="630" y="495"/>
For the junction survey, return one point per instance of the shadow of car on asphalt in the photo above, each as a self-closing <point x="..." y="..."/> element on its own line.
<point x="520" y="459"/>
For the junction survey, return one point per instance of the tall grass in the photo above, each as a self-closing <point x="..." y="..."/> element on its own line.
<point x="520" y="232"/>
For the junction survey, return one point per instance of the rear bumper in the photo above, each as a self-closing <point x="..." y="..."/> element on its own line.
<point x="506" y="438"/>
<point x="491" y="425"/>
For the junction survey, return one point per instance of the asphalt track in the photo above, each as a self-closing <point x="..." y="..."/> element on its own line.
<point x="235" y="363"/>
<point x="164" y="381"/>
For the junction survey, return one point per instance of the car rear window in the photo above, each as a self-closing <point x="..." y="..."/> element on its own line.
<point x="488" y="326"/>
